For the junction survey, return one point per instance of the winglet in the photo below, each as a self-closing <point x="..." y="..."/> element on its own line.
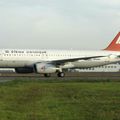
<point x="115" y="44"/>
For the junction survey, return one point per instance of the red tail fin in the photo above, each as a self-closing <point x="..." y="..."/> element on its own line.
<point x="115" y="44"/>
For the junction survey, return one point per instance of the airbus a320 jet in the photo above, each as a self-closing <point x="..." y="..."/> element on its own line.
<point x="56" y="61"/>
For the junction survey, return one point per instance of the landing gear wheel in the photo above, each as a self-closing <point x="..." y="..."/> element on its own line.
<point x="47" y="74"/>
<point x="61" y="74"/>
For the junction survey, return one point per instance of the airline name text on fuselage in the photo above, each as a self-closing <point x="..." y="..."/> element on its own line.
<point x="25" y="51"/>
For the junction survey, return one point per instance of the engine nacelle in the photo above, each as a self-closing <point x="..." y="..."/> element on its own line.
<point x="24" y="70"/>
<point x="45" y="68"/>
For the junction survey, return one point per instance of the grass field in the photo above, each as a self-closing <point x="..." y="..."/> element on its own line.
<point x="59" y="100"/>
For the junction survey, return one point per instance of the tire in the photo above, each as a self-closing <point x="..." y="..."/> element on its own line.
<point x="61" y="74"/>
<point x="47" y="74"/>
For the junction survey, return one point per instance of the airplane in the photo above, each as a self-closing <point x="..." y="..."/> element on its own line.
<point x="57" y="61"/>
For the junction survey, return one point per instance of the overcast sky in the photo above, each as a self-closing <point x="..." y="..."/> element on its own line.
<point x="58" y="24"/>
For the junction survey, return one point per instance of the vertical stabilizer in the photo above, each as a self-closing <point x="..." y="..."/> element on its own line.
<point x="115" y="44"/>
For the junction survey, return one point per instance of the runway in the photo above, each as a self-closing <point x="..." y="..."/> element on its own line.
<point x="86" y="76"/>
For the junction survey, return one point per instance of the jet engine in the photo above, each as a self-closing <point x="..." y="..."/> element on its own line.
<point x="45" y="68"/>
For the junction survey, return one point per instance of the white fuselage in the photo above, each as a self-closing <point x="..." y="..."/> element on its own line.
<point x="21" y="58"/>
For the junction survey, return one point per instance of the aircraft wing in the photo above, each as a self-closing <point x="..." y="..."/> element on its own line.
<point x="62" y="61"/>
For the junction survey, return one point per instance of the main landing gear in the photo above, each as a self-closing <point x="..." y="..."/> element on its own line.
<point x="59" y="74"/>
<point x="47" y="75"/>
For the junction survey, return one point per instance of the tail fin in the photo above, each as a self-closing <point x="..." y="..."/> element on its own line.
<point x="115" y="44"/>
